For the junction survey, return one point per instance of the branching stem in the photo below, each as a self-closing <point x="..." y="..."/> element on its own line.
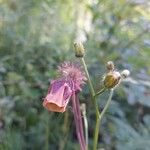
<point x="98" y="114"/>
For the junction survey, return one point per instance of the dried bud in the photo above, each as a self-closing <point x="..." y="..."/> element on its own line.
<point x="125" y="73"/>
<point x="111" y="79"/>
<point x="79" y="49"/>
<point x="83" y="108"/>
<point x="110" y="66"/>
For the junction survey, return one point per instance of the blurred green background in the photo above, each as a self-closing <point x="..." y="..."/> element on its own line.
<point x="37" y="35"/>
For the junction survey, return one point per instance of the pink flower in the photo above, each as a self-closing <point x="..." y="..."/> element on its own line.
<point x="61" y="90"/>
<point x="58" y="96"/>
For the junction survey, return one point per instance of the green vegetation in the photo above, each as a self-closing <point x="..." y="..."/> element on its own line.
<point x="37" y="35"/>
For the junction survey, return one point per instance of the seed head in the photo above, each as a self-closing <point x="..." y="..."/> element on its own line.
<point x="125" y="73"/>
<point x="73" y="73"/>
<point x="79" y="49"/>
<point x="111" y="79"/>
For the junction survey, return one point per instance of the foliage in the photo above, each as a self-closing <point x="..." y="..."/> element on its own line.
<point x="35" y="36"/>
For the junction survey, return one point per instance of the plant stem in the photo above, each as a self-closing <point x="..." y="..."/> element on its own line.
<point x="100" y="92"/>
<point x="78" y="122"/>
<point x="98" y="120"/>
<point x="88" y="78"/>
<point x="98" y="114"/>
<point x="95" y="104"/>
<point x="107" y="104"/>
<point x="91" y="87"/>
<point x="96" y="133"/>
<point x="83" y="109"/>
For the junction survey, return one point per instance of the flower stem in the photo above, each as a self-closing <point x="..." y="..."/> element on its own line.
<point x="98" y="114"/>
<point x="78" y="122"/>
<point x="100" y="92"/>
<point x="91" y="87"/>
<point x="107" y="104"/>
<point x="95" y="104"/>
<point x="98" y="121"/>
<point x="88" y="78"/>
<point x="83" y="109"/>
<point x="96" y="133"/>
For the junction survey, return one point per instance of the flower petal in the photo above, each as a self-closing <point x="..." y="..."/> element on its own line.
<point x="57" y="100"/>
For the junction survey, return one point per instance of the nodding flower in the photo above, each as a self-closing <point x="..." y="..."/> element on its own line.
<point x="61" y="90"/>
<point x="64" y="89"/>
<point x="58" y="96"/>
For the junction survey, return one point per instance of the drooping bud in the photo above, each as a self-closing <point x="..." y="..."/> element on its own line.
<point x="110" y="66"/>
<point x="79" y="49"/>
<point x="125" y="73"/>
<point x="111" y="79"/>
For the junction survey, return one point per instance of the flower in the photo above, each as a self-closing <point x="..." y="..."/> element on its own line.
<point x="73" y="74"/>
<point x="65" y="88"/>
<point x="71" y="79"/>
<point x="58" y="96"/>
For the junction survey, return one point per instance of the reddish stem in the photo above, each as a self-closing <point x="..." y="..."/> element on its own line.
<point x="78" y="122"/>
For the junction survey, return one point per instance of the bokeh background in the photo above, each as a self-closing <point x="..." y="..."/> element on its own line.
<point x="37" y="35"/>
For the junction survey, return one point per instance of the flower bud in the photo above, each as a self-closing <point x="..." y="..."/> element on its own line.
<point x="79" y="49"/>
<point x="110" y="66"/>
<point x="111" y="79"/>
<point x="125" y="73"/>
